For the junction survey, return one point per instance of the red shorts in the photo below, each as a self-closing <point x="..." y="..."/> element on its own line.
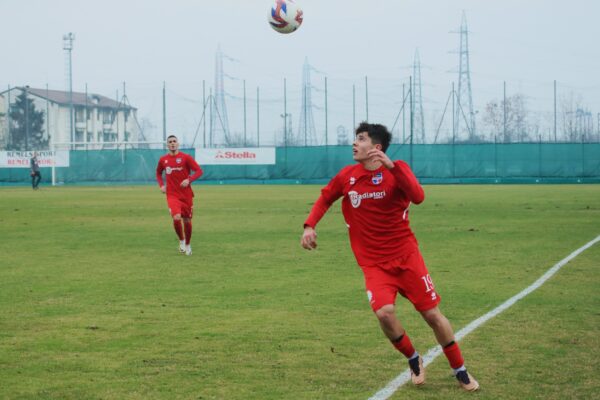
<point x="406" y="275"/>
<point x="179" y="205"/>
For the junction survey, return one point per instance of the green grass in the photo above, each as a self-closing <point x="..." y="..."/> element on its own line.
<point x="96" y="303"/>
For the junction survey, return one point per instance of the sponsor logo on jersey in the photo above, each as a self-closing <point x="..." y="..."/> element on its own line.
<point x="352" y="180"/>
<point x="168" y="170"/>
<point x="377" y="178"/>
<point x="356" y="199"/>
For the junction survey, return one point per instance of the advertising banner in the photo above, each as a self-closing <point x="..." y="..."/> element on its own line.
<point x="236" y="156"/>
<point x="20" y="159"/>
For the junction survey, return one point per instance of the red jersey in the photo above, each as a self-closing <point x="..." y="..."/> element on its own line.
<point x="177" y="169"/>
<point x="375" y="207"/>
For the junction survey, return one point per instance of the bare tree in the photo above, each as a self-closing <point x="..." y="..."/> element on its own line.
<point x="511" y="125"/>
<point x="577" y="120"/>
<point x="493" y="118"/>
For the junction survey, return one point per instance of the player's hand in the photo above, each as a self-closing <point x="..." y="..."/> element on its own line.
<point x="309" y="238"/>
<point x="185" y="183"/>
<point x="163" y="189"/>
<point x="378" y="155"/>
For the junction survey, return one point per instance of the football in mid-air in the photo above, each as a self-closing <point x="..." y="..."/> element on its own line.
<point x="285" y="16"/>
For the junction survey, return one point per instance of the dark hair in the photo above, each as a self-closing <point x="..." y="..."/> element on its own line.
<point x="378" y="133"/>
<point x="170" y="136"/>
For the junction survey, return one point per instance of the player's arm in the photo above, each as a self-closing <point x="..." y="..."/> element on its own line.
<point x="196" y="168"/>
<point x="193" y="166"/>
<point x="329" y="194"/>
<point x="405" y="178"/>
<point x="407" y="182"/>
<point x="159" y="179"/>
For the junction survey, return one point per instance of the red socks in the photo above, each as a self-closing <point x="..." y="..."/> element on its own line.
<point x="187" y="225"/>
<point x="178" y="229"/>
<point x="452" y="352"/>
<point x="404" y="345"/>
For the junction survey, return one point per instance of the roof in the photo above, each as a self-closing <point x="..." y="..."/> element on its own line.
<point x="79" y="99"/>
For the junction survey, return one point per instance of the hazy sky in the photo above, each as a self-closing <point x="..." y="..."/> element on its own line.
<point x="527" y="43"/>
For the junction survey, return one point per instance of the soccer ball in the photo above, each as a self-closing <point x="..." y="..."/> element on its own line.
<point x="285" y="16"/>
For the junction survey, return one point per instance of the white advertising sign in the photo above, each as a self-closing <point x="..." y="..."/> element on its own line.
<point x="20" y="159"/>
<point x="236" y="156"/>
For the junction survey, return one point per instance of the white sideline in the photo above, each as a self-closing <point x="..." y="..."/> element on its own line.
<point x="431" y="355"/>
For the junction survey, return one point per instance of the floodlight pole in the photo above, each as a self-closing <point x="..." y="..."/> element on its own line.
<point x="453" y="114"/>
<point x="68" y="46"/>
<point x="26" y="118"/>
<point x="8" y="115"/>
<point x="48" y="114"/>
<point x="555" y="111"/>
<point x="257" y="116"/>
<point x="305" y="116"/>
<point x="411" y="121"/>
<point x="367" y="96"/>
<point x="204" y="113"/>
<point x="164" y="110"/>
<point x="353" y="107"/>
<point x="245" y="143"/>
<point x="504" y="110"/>
<point x="403" y="114"/>
<point x="453" y="131"/>
<point x="285" y="112"/>
<point x="210" y="130"/>
<point x="326" y="116"/>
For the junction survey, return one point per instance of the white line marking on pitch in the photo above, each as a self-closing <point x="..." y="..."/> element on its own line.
<point x="432" y="354"/>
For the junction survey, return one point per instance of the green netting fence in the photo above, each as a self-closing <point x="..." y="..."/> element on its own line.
<point x="464" y="163"/>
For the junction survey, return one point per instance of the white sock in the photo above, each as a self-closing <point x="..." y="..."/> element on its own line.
<point x="457" y="370"/>
<point x="414" y="355"/>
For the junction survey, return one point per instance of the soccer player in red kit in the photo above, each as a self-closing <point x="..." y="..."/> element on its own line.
<point x="180" y="197"/>
<point x="377" y="193"/>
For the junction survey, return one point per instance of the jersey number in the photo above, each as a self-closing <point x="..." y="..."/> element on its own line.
<point x="428" y="283"/>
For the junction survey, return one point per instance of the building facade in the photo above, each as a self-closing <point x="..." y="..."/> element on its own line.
<point x="99" y="122"/>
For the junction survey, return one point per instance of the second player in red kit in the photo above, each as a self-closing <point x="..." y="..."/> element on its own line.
<point x="178" y="168"/>
<point x="376" y="194"/>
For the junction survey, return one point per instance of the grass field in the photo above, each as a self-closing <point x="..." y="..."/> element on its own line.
<point x="96" y="302"/>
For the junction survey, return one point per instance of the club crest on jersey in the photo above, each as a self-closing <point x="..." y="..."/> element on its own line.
<point x="178" y="160"/>
<point x="352" y="180"/>
<point x="354" y="199"/>
<point x="377" y="178"/>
